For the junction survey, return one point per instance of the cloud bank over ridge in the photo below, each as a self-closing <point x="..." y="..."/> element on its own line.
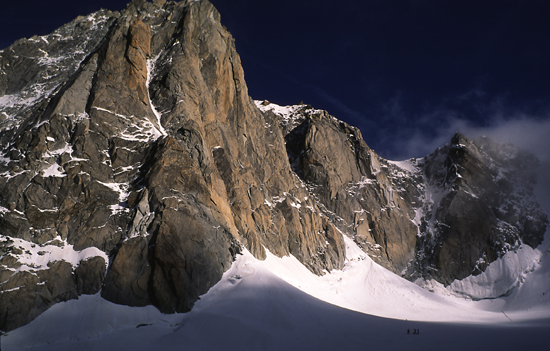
<point x="527" y="132"/>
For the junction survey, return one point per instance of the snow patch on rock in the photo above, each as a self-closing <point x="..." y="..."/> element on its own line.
<point x="34" y="257"/>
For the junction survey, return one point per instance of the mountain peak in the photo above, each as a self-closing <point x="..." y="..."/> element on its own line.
<point x="459" y="138"/>
<point x="134" y="159"/>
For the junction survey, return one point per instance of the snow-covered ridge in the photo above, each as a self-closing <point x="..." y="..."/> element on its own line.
<point x="283" y="111"/>
<point x="289" y="116"/>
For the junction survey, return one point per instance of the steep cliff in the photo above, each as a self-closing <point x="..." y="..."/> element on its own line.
<point x="445" y="217"/>
<point x="133" y="162"/>
<point x="478" y="205"/>
<point x="147" y="147"/>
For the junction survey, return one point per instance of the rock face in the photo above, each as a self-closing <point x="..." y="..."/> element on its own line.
<point x="478" y="205"/>
<point x="134" y="163"/>
<point x="444" y="217"/>
<point x="354" y="186"/>
<point x="140" y="140"/>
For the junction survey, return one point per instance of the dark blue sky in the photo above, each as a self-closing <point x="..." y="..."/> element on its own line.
<point x="398" y="70"/>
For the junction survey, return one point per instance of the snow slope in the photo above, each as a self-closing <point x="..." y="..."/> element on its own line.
<point x="271" y="305"/>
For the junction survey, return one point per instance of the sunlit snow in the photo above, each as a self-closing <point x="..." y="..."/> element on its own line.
<point x="37" y="257"/>
<point x="277" y="304"/>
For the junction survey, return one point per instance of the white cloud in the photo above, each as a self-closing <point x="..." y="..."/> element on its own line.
<point x="526" y="132"/>
<point x="529" y="134"/>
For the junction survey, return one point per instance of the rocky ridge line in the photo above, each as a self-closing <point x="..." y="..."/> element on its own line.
<point x="143" y="168"/>
<point x="152" y="152"/>
<point x="444" y="217"/>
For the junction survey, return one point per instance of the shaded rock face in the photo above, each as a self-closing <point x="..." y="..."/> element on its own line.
<point x="354" y="186"/>
<point x="139" y="140"/>
<point x="133" y="163"/>
<point x="478" y="205"/>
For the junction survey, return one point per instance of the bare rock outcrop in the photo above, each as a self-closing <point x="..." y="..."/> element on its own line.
<point x="480" y="207"/>
<point x="134" y="163"/>
<point x="148" y="150"/>
<point x="444" y="217"/>
<point x="354" y="186"/>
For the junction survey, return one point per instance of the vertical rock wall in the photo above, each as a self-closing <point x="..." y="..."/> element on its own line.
<point x="152" y="152"/>
<point x="133" y="162"/>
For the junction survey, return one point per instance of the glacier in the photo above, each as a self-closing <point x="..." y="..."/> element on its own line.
<point x="278" y="304"/>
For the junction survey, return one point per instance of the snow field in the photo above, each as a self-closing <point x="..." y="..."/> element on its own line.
<point x="278" y="304"/>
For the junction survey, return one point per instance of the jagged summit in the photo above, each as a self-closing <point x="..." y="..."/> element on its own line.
<point x="478" y="205"/>
<point x="134" y="163"/>
<point x="150" y="150"/>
